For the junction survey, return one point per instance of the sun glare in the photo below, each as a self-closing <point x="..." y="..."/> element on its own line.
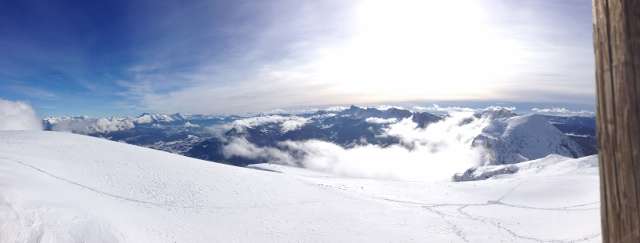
<point x="418" y="49"/>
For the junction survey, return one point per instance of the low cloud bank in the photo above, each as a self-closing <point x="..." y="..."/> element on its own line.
<point x="561" y="111"/>
<point x="447" y="109"/>
<point x="16" y="115"/>
<point x="459" y="109"/>
<point x="378" y="120"/>
<point x="433" y="153"/>
<point x="85" y="125"/>
<point x="286" y="123"/>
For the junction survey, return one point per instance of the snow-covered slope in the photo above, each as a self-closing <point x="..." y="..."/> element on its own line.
<point x="60" y="187"/>
<point x="521" y="138"/>
<point x="552" y="164"/>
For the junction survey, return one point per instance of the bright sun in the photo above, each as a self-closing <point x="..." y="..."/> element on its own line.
<point x="419" y="49"/>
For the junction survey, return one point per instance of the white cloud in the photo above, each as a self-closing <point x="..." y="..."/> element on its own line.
<point x="458" y="109"/>
<point x="434" y="153"/>
<point x="286" y="123"/>
<point x="189" y="124"/>
<point x="378" y="120"/>
<point x="353" y="52"/>
<point x="259" y="120"/>
<point x="16" y="115"/>
<point x="387" y="107"/>
<point x="336" y="108"/>
<point x="446" y="109"/>
<point x="87" y="125"/>
<point x="498" y="108"/>
<point x="561" y="111"/>
<point x="293" y="124"/>
<point x="243" y="148"/>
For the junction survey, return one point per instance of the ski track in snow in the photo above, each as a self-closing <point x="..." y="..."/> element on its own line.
<point x="431" y="208"/>
<point x="513" y="233"/>
<point x="459" y="232"/>
<point x="454" y="227"/>
<point x="461" y="206"/>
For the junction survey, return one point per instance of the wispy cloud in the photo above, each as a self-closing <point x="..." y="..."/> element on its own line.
<point x="317" y="54"/>
<point x="32" y="91"/>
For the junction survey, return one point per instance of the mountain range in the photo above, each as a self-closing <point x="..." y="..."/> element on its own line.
<point x="507" y="137"/>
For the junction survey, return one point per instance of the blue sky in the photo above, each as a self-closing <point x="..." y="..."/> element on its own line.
<point x="126" y="57"/>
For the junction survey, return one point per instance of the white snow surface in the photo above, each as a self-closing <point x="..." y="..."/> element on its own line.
<point x="551" y="164"/>
<point x="61" y="187"/>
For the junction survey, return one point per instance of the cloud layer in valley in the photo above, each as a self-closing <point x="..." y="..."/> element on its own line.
<point x="433" y="153"/>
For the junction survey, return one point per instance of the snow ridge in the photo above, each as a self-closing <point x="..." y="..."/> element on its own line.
<point x="521" y="138"/>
